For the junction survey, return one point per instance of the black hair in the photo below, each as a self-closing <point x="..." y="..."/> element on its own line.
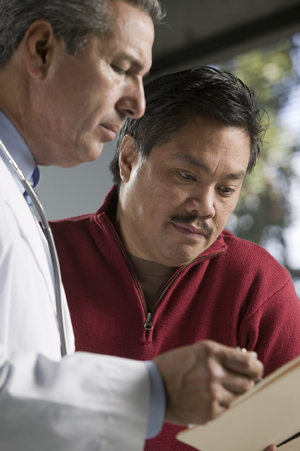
<point x="174" y="99"/>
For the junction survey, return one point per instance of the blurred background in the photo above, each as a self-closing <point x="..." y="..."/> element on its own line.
<point x="259" y="41"/>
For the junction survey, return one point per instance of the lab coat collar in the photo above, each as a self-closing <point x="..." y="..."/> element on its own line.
<point x="19" y="151"/>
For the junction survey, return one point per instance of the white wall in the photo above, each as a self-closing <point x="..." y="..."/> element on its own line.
<point x="71" y="192"/>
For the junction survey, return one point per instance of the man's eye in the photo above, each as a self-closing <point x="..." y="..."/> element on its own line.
<point x="226" y="190"/>
<point x="186" y="176"/>
<point x="118" y="70"/>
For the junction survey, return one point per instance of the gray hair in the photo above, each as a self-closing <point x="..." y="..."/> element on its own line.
<point x="72" y="20"/>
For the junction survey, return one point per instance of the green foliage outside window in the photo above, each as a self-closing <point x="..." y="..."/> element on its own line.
<point x="265" y="210"/>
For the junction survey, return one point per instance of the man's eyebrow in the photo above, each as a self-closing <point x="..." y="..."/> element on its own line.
<point x="200" y="165"/>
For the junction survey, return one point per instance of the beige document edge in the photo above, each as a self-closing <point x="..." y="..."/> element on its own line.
<point x="270" y="413"/>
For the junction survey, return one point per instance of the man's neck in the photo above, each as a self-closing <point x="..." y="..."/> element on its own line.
<point x="152" y="277"/>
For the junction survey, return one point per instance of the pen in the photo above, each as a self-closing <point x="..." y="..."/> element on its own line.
<point x="245" y="350"/>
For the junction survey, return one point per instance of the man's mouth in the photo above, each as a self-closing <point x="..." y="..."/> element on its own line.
<point x="193" y="227"/>
<point x="189" y="230"/>
<point x="111" y="130"/>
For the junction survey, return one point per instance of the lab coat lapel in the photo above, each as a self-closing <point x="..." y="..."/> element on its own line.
<point x="29" y="228"/>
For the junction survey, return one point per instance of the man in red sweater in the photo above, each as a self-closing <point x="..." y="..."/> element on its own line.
<point x="153" y="268"/>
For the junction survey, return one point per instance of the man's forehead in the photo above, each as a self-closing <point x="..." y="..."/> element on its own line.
<point x="128" y="22"/>
<point x="120" y="10"/>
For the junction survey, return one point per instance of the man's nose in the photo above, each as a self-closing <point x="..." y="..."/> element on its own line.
<point x="133" y="103"/>
<point x="201" y="202"/>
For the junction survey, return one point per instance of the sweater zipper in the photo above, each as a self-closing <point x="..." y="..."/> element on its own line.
<point x="175" y="276"/>
<point x="149" y="315"/>
<point x="148" y="324"/>
<point x="132" y="273"/>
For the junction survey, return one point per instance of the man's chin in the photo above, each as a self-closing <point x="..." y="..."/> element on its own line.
<point x="180" y="259"/>
<point x="91" y="153"/>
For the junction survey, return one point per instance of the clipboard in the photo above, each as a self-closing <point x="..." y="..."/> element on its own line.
<point x="269" y="413"/>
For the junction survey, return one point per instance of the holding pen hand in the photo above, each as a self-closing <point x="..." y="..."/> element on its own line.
<point x="201" y="380"/>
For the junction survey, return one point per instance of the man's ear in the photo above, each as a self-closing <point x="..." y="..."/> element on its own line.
<point x="128" y="155"/>
<point x="40" y="44"/>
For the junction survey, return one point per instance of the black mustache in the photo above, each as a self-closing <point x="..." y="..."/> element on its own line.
<point x="192" y="219"/>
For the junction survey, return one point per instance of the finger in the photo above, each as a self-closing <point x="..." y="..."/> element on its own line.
<point x="233" y="360"/>
<point x="209" y="405"/>
<point x="242" y="363"/>
<point x="212" y="373"/>
<point x="237" y="384"/>
<point x="205" y="414"/>
<point x="226" y="397"/>
<point x="271" y="448"/>
<point x="226" y="391"/>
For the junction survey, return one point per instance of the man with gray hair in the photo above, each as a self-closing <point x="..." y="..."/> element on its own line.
<point x="70" y="73"/>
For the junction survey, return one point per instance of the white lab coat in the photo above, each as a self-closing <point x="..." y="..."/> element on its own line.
<point x="82" y="402"/>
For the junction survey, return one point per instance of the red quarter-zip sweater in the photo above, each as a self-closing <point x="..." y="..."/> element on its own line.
<point x="234" y="293"/>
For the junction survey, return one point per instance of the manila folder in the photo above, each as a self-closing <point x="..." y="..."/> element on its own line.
<point x="269" y="413"/>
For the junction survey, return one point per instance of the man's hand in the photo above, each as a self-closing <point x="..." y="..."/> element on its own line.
<point x="201" y="380"/>
<point x="271" y="448"/>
